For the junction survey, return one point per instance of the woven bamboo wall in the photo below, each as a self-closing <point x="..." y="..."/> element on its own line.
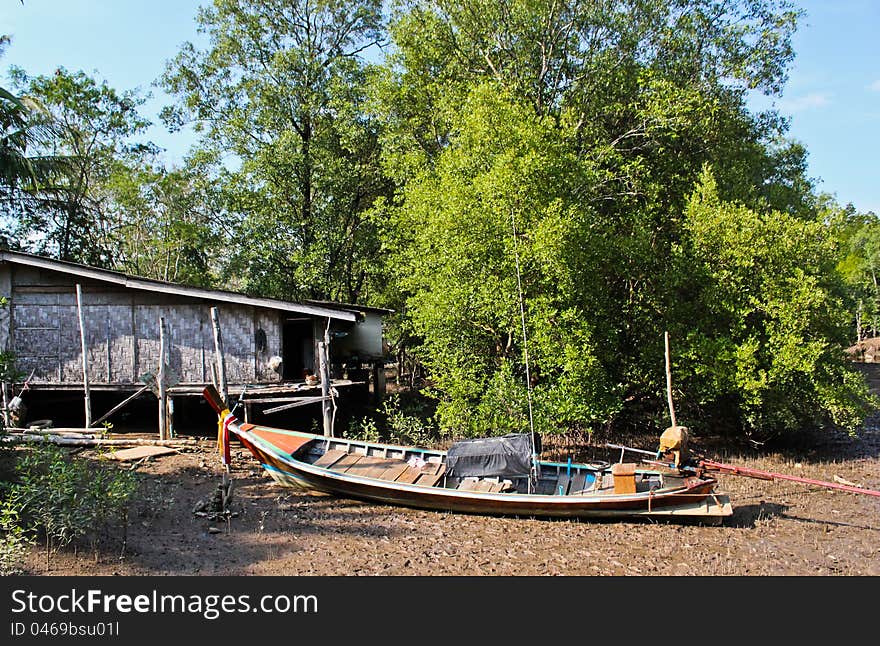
<point x="122" y="332"/>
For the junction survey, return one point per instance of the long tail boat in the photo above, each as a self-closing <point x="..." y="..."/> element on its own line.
<point x="492" y="476"/>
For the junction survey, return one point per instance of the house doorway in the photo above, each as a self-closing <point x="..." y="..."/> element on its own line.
<point x="297" y="349"/>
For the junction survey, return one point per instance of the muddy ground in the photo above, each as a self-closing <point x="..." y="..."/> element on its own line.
<point x="778" y="528"/>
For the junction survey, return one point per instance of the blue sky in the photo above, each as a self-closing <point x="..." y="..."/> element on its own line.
<point x="832" y="97"/>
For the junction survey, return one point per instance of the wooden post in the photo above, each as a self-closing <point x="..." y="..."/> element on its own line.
<point x="379" y="381"/>
<point x="169" y="416"/>
<point x="85" y="356"/>
<point x="223" y="387"/>
<point x="324" y="368"/>
<point x="669" y="379"/>
<point x="160" y="379"/>
<point x="6" y="417"/>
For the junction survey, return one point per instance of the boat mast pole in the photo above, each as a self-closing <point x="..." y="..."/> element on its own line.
<point x="669" y="380"/>
<point x="522" y="316"/>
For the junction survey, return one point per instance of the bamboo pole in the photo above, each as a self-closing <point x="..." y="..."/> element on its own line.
<point x="219" y="356"/>
<point x="301" y="401"/>
<point x="82" y="441"/>
<point x="669" y="380"/>
<point x="160" y="379"/>
<point x="85" y="356"/>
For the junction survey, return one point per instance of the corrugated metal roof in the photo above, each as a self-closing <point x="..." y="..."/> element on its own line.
<point x="327" y="310"/>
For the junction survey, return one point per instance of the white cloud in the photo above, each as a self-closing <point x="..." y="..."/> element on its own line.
<point x="875" y="86"/>
<point x="805" y="102"/>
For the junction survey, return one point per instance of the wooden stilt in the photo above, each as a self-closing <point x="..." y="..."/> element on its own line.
<point x="379" y="381"/>
<point x="326" y="404"/>
<point x="7" y="422"/>
<point x="85" y="355"/>
<point x="169" y="415"/>
<point x="160" y="378"/>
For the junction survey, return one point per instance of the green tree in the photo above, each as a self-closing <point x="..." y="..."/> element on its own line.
<point x="92" y="126"/>
<point x="459" y="261"/>
<point x="588" y="125"/>
<point x="167" y="223"/>
<point x="23" y="122"/>
<point x="278" y="95"/>
<point x="859" y="236"/>
<point x="766" y="319"/>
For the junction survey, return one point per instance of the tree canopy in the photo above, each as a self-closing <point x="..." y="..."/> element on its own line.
<point x="541" y="184"/>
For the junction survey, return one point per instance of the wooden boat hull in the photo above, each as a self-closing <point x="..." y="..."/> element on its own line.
<point x="284" y="455"/>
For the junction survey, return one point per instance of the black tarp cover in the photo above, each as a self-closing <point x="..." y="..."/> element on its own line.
<point x="505" y="456"/>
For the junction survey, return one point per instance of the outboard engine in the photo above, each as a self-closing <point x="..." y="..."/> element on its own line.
<point x="673" y="443"/>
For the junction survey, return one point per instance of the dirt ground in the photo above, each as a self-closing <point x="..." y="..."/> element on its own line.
<point x="778" y="528"/>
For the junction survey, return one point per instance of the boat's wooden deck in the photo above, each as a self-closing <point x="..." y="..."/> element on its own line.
<point x="390" y="469"/>
<point x="432" y="474"/>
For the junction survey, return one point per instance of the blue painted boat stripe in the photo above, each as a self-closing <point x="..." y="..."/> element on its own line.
<point x="289" y="474"/>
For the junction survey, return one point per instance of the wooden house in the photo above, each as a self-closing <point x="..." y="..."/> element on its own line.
<point x="269" y="346"/>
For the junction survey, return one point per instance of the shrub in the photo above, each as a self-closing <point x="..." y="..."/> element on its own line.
<point x="15" y="541"/>
<point x="65" y="499"/>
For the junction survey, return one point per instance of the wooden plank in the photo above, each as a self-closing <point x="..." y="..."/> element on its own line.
<point x="409" y="475"/>
<point x="394" y="471"/>
<point x="432" y="468"/>
<point x="363" y="463"/>
<point x="381" y="466"/>
<point x="578" y="480"/>
<point x="365" y="466"/>
<point x="484" y="485"/>
<point x="468" y="484"/>
<point x="494" y="487"/>
<point x="139" y="452"/>
<point x="346" y="462"/>
<point x="330" y="458"/>
<point x="561" y="488"/>
<point x="546" y="487"/>
<point x="431" y="479"/>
